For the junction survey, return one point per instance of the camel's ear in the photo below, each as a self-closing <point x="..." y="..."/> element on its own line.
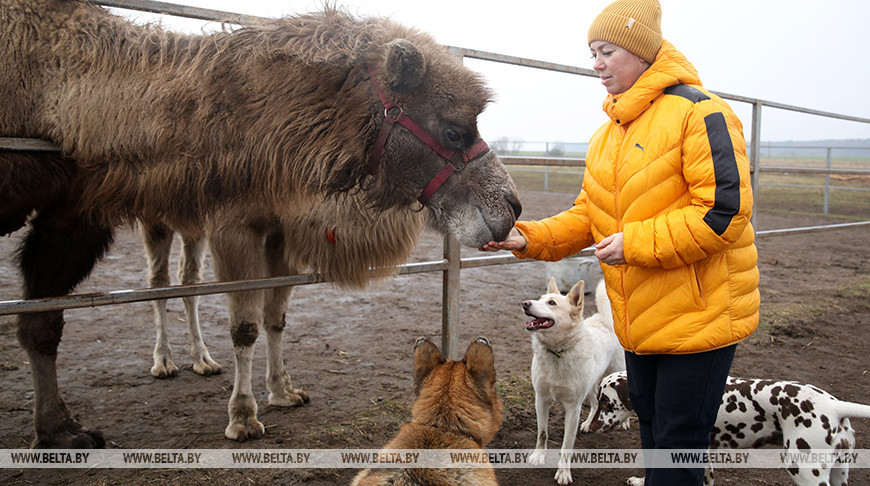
<point x="552" y="288"/>
<point x="575" y="296"/>
<point x="480" y="362"/>
<point x="405" y="66"/>
<point x="426" y="358"/>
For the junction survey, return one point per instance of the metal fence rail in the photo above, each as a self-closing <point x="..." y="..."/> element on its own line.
<point x="113" y="297"/>
<point x="452" y="264"/>
<point x="546" y="163"/>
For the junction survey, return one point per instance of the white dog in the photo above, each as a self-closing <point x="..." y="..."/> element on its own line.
<point x="760" y="412"/>
<point x="570" y="356"/>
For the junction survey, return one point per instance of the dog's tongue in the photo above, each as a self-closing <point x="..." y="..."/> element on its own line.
<point x="538" y="324"/>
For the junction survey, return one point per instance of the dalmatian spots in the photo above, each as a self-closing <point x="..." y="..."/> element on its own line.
<point x="756" y="413"/>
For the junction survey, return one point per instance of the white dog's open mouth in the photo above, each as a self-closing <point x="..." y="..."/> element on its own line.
<point x="539" y="323"/>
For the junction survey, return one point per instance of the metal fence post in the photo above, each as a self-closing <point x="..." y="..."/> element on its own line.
<point x="755" y="158"/>
<point x="827" y="179"/>
<point x="450" y="299"/>
<point x="450" y="286"/>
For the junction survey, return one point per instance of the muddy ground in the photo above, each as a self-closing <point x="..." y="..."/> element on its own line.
<point x="352" y="352"/>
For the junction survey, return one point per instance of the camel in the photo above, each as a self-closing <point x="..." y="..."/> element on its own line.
<point x="371" y="243"/>
<point x="351" y="223"/>
<point x="157" y="239"/>
<point x="280" y="137"/>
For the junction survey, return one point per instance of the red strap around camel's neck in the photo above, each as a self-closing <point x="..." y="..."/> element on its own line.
<point x="478" y="149"/>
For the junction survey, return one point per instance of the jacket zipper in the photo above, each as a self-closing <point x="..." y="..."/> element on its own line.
<point x="626" y="325"/>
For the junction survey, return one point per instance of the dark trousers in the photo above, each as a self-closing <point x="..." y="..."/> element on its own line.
<point x="676" y="398"/>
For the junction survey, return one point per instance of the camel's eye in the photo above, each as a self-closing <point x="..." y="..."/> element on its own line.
<point x="452" y="135"/>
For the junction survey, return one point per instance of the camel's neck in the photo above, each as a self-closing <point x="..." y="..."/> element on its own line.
<point x="349" y="244"/>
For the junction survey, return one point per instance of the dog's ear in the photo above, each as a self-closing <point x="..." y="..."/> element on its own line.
<point x="426" y="358"/>
<point x="480" y="362"/>
<point x="552" y="288"/>
<point x="621" y="387"/>
<point x="575" y="296"/>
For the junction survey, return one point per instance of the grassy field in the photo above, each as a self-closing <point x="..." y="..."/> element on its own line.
<point x="848" y="197"/>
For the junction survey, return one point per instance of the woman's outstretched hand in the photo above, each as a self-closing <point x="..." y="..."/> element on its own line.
<point x="515" y="241"/>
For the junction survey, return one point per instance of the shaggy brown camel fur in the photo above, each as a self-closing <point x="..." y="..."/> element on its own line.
<point x="275" y="127"/>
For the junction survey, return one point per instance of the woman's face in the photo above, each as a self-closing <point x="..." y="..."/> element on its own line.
<point x="617" y="68"/>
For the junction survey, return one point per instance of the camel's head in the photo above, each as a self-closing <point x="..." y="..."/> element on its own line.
<point x="432" y="102"/>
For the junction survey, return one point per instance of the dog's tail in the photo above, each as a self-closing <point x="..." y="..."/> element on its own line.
<point x="853" y="410"/>
<point x="602" y="303"/>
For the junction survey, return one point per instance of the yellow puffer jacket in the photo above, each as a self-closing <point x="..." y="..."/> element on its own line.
<point x="670" y="171"/>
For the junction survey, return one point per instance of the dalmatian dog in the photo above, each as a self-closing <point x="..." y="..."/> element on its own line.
<point x="756" y="412"/>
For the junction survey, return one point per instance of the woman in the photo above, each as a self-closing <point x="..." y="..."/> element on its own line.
<point x="666" y="200"/>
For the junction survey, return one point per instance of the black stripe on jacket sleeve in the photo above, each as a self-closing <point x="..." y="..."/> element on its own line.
<point x="727" y="194"/>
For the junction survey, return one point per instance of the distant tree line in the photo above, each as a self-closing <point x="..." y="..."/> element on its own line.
<point x="507" y="145"/>
<point x="515" y="145"/>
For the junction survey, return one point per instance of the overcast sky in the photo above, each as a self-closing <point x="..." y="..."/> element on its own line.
<point x="798" y="52"/>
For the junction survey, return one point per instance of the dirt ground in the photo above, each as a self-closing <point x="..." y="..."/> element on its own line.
<point x="352" y="352"/>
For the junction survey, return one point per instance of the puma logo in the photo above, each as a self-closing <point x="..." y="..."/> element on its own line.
<point x="639" y="146"/>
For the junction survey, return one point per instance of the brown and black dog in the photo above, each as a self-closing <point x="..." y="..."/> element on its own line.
<point x="457" y="407"/>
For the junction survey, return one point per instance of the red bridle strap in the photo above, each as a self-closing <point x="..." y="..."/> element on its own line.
<point x="436" y="182"/>
<point x="478" y="149"/>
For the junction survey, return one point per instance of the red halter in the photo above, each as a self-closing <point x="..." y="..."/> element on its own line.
<point x="478" y="149"/>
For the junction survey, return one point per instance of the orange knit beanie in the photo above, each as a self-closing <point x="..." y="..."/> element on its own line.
<point x="634" y="25"/>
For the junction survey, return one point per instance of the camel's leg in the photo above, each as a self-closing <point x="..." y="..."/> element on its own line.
<point x="281" y="391"/>
<point x="237" y="250"/>
<point x="157" y="239"/>
<point x="59" y="252"/>
<point x="190" y="272"/>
